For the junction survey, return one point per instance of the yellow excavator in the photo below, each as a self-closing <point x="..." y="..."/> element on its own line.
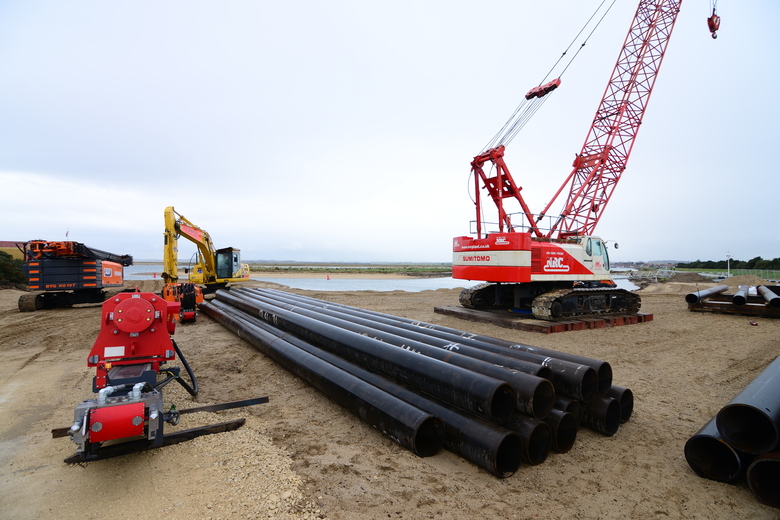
<point x="213" y="269"/>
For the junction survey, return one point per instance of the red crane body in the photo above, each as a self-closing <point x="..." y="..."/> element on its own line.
<point x="565" y="253"/>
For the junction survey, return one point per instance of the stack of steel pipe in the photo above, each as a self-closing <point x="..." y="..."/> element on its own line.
<point x="498" y="406"/>
<point x="743" y="439"/>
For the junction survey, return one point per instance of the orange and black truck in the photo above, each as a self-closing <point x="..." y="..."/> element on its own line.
<point x="62" y="274"/>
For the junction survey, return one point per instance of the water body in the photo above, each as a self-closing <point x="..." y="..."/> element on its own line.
<point x="321" y="282"/>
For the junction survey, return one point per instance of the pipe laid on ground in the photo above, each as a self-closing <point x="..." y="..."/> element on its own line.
<point x="625" y="398"/>
<point x="696" y="297"/>
<point x="712" y="457"/>
<point x="535" y="395"/>
<point x="740" y="297"/>
<point x="412" y="428"/>
<point x="763" y="477"/>
<point x="536" y="435"/>
<point x="563" y="426"/>
<point x="396" y="328"/>
<point x="491" y="447"/>
<point x="751" y="421"/>
<point x="567" y="404"/>
<point x="571" y="377"/>
<point x="772" y="299"/>
<point x="602" y="414"/>
<point x="484" y="396"/>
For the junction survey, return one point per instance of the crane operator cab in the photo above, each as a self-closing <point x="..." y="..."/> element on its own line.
<point x="595" y="257"/>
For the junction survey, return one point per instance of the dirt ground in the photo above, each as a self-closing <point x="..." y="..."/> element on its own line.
<point x="302" y="456"/>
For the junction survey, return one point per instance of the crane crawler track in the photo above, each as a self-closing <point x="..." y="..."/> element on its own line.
<point x="565" y="304"/>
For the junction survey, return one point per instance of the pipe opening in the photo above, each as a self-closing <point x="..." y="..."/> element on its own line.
<point x="503" y="403"/>
<point x="625" y="398"/>
<point x="747" y="428"/>
<point x="508" y="455"/>
<point x="603" y="415"/>
<point x="430" y="437"/>
<point x="592" y="382"/>
<point x="564" y="431"/>
<point x="763" y="478"/>
<point x="712" y="458"/>
<point x="604" y="377"/>
<point x="539" y="442"/>
<point x="544" y="399"/>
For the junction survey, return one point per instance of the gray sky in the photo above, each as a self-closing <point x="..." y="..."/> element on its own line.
<point x="343" y="130"/>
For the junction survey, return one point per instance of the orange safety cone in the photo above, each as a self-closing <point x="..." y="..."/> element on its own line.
<point x="154" y="275"/>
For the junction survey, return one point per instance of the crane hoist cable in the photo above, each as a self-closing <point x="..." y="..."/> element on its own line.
<point x="537" y="96"/>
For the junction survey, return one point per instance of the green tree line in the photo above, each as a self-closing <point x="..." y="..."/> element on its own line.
<point x="11" y="270"/>
<point x="753" y="263"/>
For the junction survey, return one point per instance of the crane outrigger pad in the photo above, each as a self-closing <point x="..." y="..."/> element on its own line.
<point x="513" y="320"/>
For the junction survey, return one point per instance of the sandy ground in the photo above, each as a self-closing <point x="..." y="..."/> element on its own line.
<point x="302" y="456"/>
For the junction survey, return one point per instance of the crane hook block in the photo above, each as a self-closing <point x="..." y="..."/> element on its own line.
<point x="543" y="90"/>
<point x="713" y="23"/>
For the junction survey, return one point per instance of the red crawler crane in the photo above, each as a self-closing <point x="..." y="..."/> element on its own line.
<point x="563" y="271"/>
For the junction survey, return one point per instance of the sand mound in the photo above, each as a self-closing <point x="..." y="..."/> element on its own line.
<point x="689" y="278"/>
<point x="747" y="279"/>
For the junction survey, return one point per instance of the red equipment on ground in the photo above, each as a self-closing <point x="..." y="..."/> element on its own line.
<point x="130" y="355"/>
<point x="561" y="270"/>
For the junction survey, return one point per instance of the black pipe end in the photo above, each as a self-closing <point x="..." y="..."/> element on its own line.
<point x="537" y="443"/>
<point x="603" y="415"/>
<point x="502" y="403"/>
<point x="543" y="399"/>
<point x="747" y="428"/>
<point x="625" y="398"/>
<point x="591" y="384"/>
<point x="605" y="377"/>
<point x="563" y="426"/>
<point x="712" y="458"/>
<point x="429" y="438"/>
<point x="738" y="300"/>
<point x="762" y="476"/>
<point x="691" y="298"/>
<point x="508" y="455"/>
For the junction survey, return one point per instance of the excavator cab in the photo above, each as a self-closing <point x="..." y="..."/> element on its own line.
<point x="228" y="263"/>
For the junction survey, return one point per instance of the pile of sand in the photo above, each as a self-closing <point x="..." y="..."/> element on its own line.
<point x="747" y="279"/>
<point x="686" y="277"/>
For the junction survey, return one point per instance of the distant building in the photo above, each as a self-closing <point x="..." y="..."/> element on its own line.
<point x="15" y="249"/>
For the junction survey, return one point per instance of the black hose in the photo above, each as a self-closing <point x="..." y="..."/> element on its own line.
<point x="193" y="390"/>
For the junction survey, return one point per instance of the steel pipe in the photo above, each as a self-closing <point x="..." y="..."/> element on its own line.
<point x="535" y="395"/>
<point x="712" y="457"/>
<point x="751" y="421"/>
<point x="740" y="297"/>
<point x="571" y="377"/>
<point x="484" y="396"/>
<point x="763" y="477"/>
<point x="772" y="299"/>
<point x="489" y="446"/>
<point x="696" y="297"/>
<point x="563" y="426"/>
<point x="536" y="435"/>
<point x="415" y="429"/>
<point x="567" y="404"/>
<point x="625" y="398"/>
<point x="394" y="327"/>
<point x="602" y="414"/>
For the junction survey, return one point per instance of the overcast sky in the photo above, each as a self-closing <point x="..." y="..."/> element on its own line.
<point x="343" y="130"/>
